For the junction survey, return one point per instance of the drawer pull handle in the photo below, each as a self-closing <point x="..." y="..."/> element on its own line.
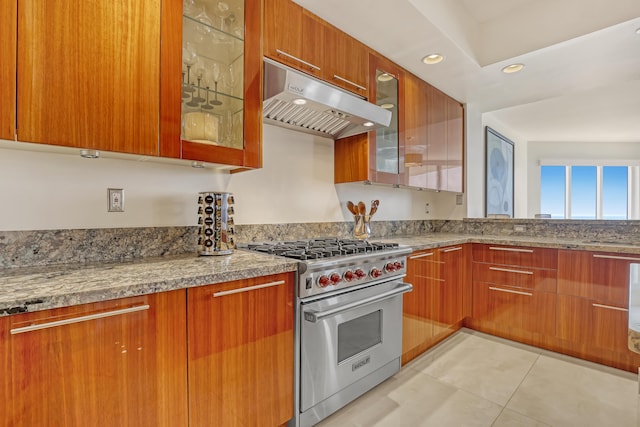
<point x="458" y="248"/>
<point x="496" y="248"/>
<point x="609" y="307"/>
<point x="295" y="58"/>
<point x="510" y="291"/>
<point x="79" y="319"/>
<point x="248" y="288"/>
<point x="508" y="270"/>
<point x="421" y="255"/>
<point x="625" y="258"/>
<point x="342" y="79"/>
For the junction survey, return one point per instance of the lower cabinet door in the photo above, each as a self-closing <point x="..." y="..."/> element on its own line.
<point x="240" y="352"/>
<point x="597" y="325"/>
<point x="114" y="363"/>
<point x="514" y="309"/>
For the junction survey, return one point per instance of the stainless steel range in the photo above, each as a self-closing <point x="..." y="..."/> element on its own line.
<point x="348" y="319"/>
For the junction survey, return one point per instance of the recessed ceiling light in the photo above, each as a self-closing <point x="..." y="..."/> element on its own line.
<point x="367" y="124"/>
<point x="385" y="77"/>
<point x="513" y="68"/>
<point x="387" y="106"/>
<point x="299" y="101"/>
<point x="90" y="154"/>
<point x="638" y="31"/>
<point x="433" y="58"/>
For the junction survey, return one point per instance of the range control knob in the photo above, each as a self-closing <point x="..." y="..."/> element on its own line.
<point x="360" y="274"/>
<point x="324" y="281"/>
<point x="375" y="272"/>
<point x="349" y="275"/>
<point x="335" y="278"/>
<point x="390" y="267"/>
<point x="399" y="265"/>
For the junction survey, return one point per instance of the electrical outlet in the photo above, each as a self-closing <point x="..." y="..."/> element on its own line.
<point x="519" y="228"/>
<point x="115" y="200"/>
<point x="458" y="199"/>
<point x="426" y="208"/>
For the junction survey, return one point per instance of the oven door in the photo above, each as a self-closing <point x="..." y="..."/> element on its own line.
<point x="346" y="337"/>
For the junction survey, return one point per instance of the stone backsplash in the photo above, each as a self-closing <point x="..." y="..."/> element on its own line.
<point x="45" y="247"/>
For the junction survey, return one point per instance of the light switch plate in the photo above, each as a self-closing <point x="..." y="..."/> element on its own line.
<point x="115" y="200"/>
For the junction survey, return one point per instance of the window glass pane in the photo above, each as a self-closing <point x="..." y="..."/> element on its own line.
<point x="583" y="192"/>
<point x="552" y="191"/>
<point x="614" y="192"/>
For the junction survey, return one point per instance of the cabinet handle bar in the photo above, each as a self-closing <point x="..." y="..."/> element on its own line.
<point x="79" y="319"/>
<point x="295" y="58"/>
<point x="248" y="288"/>
<point x="421" y="255"/>
<point x="337" y="77"/>
<point x="609" y="307"/>
<point x="626" y="258"/>
<point x="496" y="248"/>
<point x="508" y="270"/>
<point x="459" y="248"/>
<point x="510" y="291"/>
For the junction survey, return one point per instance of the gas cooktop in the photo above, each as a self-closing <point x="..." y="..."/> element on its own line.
<point x="319" y="248"/>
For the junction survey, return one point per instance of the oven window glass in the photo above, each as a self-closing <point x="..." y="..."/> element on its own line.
<point x="359" y="334"/>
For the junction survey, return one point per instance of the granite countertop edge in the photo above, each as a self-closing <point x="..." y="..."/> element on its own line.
<point x="40" y="288"/>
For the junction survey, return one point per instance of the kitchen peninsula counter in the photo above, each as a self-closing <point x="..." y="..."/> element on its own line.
<point x="28" y="289"/>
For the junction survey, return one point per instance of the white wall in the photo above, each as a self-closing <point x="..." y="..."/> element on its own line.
<point x="475" y="148"/>
<point x="52" y="190"/>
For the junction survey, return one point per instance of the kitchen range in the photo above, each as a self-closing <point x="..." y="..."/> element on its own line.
<point x="348" y="320"/>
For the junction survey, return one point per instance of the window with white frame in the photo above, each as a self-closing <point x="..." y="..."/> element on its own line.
<point x="583" y="191"/>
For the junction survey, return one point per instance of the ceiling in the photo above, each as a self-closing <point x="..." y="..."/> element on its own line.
<point x="581" y="80"/>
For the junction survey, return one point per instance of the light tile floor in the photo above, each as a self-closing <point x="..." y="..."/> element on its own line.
<point x="473" y="379"/>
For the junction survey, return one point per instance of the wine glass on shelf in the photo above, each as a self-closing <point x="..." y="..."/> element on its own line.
<point x="231" y="79"/>
<point x="222" y="12"/>
<point x="189" y="60"/>
<point x="196" y="100"/>
<point x="204" y="25"/>
<point x="207" y="81"/>
<point x="215" y="73"/>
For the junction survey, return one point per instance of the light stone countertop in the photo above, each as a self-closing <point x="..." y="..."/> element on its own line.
<point x="40" y="288"/>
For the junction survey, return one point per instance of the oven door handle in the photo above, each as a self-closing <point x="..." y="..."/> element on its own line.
<point x="313" y="315"/>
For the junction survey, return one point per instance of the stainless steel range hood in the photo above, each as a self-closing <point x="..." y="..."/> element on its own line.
<point x="297" y="101"/>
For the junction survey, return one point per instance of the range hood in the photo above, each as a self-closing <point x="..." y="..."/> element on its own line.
<point x="297" y="101"/>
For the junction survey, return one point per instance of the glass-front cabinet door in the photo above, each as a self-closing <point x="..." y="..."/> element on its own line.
<point x="213" y="72"/>
<point x="386" y="152"/>
<point x="220" y="86"/>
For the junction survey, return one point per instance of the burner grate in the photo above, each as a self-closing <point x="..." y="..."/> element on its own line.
<point x="319" y="248"/>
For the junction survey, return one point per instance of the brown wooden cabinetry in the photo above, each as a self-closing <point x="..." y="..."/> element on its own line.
<point x="593" y="299"/>
<point x="8" y="69"/>
<point x="241" y="352"/>
<point x="294" y="36"/>
<point x="514" y="290"/>
<point x="435" y="307"/>
<point x="376" y="156"/>
<point x="118" y="362"/>
<point x="346" y="62"/>
<point x="88" y="75"/>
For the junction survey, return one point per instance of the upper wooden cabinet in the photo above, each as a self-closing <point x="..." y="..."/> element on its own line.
<point x="416" y="139"/>
<point x="113" y="363"/>
<point x="294" y="36"/>
<point x="88" y="74"/>
<point x="8" y="69"/>
<point x="346" y="62"/>
<point x="376" y="156"/>
<point x="215" y="115"/>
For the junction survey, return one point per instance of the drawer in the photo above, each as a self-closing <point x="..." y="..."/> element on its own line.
<point x="519" y="277"/>
<point x="515" y="309"/>
<point x="521" y="256"/>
